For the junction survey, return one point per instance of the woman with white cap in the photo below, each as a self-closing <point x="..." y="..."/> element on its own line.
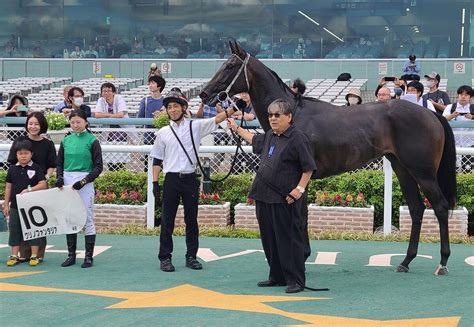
<point x="353" y="97"/>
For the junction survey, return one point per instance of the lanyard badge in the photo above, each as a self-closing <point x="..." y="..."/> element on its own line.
<point x="270" y="151"/>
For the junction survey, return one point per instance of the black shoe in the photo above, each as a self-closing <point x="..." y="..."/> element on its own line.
<point x="270" y="283"/>
<point x="71" y="260"/>
<point x="166" y="265"/>
<point x="294" y="288"/>
<point x="193" y="263"/>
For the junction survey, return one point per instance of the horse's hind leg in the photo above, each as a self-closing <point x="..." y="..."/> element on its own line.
<point x="440" y="205"/>
<point x="416" y="207"/>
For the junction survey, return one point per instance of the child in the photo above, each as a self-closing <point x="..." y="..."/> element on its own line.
<point x="25" y="176"/>
<point x="79" y="164"/>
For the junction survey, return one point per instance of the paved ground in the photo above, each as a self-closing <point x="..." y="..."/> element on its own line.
<point x="126" y="287"/>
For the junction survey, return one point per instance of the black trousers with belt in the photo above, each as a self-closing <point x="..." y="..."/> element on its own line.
<point x="282" y="239"/>
<point x="178" y="187"/>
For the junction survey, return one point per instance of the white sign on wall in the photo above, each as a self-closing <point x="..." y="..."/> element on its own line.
<point x="97" y="68"/>
<point x="166" y="67"/>
<point x="51" y="212"/>
<point x="383" y="68"/>
<point x="459" y="68"/>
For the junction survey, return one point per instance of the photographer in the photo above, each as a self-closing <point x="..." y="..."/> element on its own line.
<point x="411" y="69"/>
<point x="438" y="98"/>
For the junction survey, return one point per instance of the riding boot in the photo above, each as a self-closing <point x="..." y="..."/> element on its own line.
<point x="71" y="240"/>
<point x="88" y="259"/>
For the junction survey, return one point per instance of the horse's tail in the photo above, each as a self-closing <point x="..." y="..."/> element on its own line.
<point x="447" y="166"/>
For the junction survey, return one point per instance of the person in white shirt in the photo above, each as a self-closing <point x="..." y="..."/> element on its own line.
<point x="417" y="88"/>
<point x="112" y="105"/>
<point x="173" y="149"/>
<point x="462" y="110"/>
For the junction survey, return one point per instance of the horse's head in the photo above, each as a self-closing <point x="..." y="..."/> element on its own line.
<point x="231" y="78"/>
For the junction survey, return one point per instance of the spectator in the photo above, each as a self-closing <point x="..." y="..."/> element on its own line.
<point x="76" y="98"/>
<point x="91" y="53"/>
<point x="152" y="105"/>
<point x="438" y="98"/>
<point x="248" y="111"/>
<point x="77" y="53"/>
<point x="65" y="103"/>
<point x="298" y="87"/>
<point x="112" y="105"/>
<point x="417" y="88"/>
<point x="462" y="110"/>
<point x="353" y="97"/>
<point x="15" y="109"/>
<point x="109" y="50"/>
<point x="154" y="71"/>
<point x="383" y="94"/>
<point x="411" y="69"/>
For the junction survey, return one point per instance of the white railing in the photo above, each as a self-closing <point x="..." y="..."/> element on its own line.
<point x="145" y="149"/>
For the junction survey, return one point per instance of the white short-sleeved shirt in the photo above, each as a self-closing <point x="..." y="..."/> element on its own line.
<point x="119" y="105"/>
<point x="461" y="140"/>
<point x="167" y="148"/>
<point x="428" y="103"/>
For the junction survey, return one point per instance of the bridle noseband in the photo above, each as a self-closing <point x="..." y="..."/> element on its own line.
<point x="224" y="95"/>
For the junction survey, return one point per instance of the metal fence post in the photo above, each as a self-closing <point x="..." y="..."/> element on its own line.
<point x="387" y="203"/>
<point x="150" y="208"/>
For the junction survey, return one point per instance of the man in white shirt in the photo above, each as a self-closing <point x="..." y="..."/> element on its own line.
<point x="173" y="150"/>
<point x="462" y="110"/>
<point x="417" y="88"/>
<point x="112" y="105"/>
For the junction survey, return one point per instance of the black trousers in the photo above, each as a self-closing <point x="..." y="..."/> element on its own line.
<point x="282" y="239"/>
<point x="186" y="188"/>
<point x="304" y="226"/>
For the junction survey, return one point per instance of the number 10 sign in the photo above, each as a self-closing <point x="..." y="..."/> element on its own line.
<point x="51" y="212"/>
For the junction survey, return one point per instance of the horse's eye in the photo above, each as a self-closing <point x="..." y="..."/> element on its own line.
<point x="228" y="66"/>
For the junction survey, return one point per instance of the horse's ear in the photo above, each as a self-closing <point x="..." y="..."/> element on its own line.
<point x="233" y="48"/>
<point x="239" y="50"/>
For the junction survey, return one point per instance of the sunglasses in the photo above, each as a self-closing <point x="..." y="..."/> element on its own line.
<point x="276" y="115"/>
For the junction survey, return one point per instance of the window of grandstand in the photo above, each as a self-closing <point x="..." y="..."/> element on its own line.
<point x="266" y="28"/>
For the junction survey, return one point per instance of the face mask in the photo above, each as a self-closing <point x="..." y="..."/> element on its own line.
<point x="430" y="84"/>
<point x="353" y="100"/>
<point x="78" y="101"/>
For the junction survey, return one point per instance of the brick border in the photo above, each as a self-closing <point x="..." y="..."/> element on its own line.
<point x="208" y="215"/>
<point x="319" y="218"/>
<point x="119" y="215"/>
<point x="457" y="222"/>
<point x="340" y="219"/>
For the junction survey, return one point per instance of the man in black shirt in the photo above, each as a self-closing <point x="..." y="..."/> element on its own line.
<point x="438" y="98"/>
<point x="285" y="170"/>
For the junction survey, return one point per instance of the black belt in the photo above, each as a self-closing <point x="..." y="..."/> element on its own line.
<point x="182" y="175"/>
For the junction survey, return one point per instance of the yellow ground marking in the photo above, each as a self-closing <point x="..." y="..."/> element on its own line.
<point x="192" y="296"/>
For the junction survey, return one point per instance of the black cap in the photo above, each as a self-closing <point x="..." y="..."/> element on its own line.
<point x="175" y="97"/>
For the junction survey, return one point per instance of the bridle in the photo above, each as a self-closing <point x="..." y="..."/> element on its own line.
<point x="224" y="95"/>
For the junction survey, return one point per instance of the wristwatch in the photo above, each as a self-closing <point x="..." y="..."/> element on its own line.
<point x="300" y="188"/>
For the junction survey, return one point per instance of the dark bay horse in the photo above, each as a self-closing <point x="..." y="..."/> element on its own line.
<point x="419" y="143"/>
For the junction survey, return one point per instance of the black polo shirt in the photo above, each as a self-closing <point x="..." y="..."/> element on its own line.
<point x="283" y="159"/>
<point x="20" y="177"/>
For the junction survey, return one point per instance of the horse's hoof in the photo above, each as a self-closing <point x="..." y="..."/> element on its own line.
<point x="401" y="268"/>
<point x="441" y="271"/>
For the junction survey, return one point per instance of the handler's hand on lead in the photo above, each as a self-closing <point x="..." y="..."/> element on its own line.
<point x="231" y="124"/>
<point x="60" y="182"/>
